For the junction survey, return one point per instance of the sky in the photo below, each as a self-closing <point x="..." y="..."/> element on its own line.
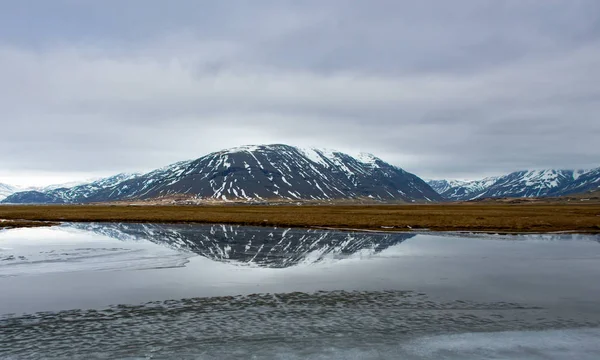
<point x="444" y="89"/>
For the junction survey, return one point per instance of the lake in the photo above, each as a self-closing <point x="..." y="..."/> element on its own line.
<point x="140" y="291"/>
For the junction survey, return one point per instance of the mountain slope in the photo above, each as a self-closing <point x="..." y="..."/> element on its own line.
<point x="441" y="186"/>
<point x="263" y="172"/>
<point x="79" y="193"/>
<point x="584" y="180"/>
<point x="7" y="190"/>
<point x="527" y="183"/>
<point x="531" y="183"/>
<point x="461" y="189"/>
<point x="42" y="192"/>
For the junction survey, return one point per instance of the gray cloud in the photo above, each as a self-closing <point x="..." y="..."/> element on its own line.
<point x="444" y="89"/>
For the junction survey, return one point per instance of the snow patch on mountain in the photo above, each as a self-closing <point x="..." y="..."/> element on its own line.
<point x="367" y="158"/>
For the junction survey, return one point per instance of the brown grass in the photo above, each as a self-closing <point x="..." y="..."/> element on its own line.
<point x="10" y="224"/>
<point x="441" y="217"/>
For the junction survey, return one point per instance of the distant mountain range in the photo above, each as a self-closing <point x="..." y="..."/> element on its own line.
<point x="253" y="173"/>
<point x="529" y="183"/>
<point x="287" y="173"/>
<point x="7" y="190"/>
<point x="57" y="194"/>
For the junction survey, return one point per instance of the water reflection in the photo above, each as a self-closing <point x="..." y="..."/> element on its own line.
<point x="264" y="247"/>
<point x="423" y="299"/>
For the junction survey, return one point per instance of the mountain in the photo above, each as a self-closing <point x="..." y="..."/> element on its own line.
<point x="7" y="190"/>
<point x="441" y="186"/>
<point x="526" y="183"/>
<point x="249" y="173"/>
<point x="584" y="181"/>
<point x="66" y="185"/>
<point x="61" y="195"/>
<point x="460" y="189"/>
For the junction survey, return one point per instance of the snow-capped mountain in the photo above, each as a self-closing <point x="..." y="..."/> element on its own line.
<point x="264" y="172"/>
<point x="531" y="183"/>
<point x="583" y="181"/>
<point x="66" y="185"/>
<point x="264" y="247"/>
<point x="461" y="189"/>
<point x="7" y="190"/>
<point x="528" y="183"/>
<point x="441" y="186"/>
<point x="59" y="195"/>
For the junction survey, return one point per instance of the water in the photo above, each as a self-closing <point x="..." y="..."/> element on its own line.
<point x="136" y="291"/>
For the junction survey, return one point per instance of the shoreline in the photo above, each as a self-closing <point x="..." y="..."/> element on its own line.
<point x="6" y="224"/>
<point x="33" y="224"/>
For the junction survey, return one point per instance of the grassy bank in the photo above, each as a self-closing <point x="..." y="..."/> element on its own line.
<point x="441" y="217"/>
<point x="11" y="224"/>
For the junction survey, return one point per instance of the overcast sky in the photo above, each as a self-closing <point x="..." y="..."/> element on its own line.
<point x="444" y="89"/>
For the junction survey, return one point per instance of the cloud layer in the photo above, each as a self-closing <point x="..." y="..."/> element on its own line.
<point x="443" y="89"/>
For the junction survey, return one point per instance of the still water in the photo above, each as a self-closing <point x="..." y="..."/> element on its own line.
<point x="141" y="291"/>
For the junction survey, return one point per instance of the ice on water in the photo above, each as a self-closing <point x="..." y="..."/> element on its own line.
<point x="51" y="250"/>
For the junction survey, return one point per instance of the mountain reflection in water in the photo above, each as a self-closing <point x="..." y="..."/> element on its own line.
<point x="264" y="247"/>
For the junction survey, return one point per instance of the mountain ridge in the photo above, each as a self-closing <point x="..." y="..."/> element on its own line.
<point x="8" y="189"/>
<point x="259" y="173"/>
<point x="521" y="184"/>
